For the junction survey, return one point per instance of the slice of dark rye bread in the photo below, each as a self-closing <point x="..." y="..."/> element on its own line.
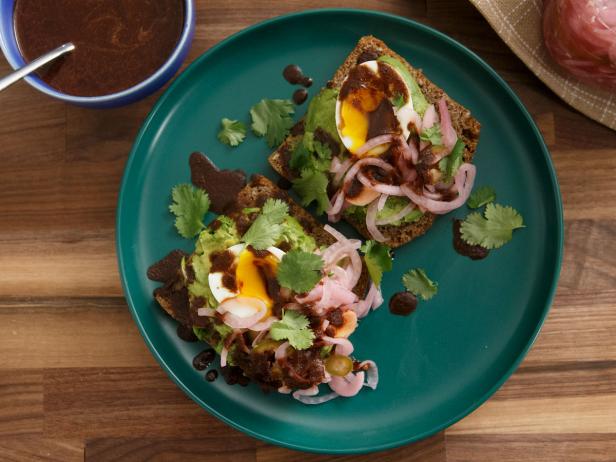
<point x="173" y="295"/>
<point x="466" y="126"/>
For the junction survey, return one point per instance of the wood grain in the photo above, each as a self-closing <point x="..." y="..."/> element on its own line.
<point x="76" y="380"/>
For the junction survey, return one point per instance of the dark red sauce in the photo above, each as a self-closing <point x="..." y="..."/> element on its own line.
<point x="474" y="252"/>
<point x="295" y="76"/>
<point x="186" y="333"/>
<point x="119" y="43"/>
<point x="203" y="360"/>
<point x="402" y="303"/>
<point x="299" y="96"/>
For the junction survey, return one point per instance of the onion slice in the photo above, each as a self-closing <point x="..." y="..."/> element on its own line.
<point x="343" y="346"/>
<point x="373" y="143"/>
<point x="313" y="390"/>
<point x="372" y="374"/>
<point x="281" y="351"/>
<point x="349" y="385"/>
<point x="205" y="311"/>
<point x="317" y="399"/>
<point x="464" y="180"/>
<point x="371" y="222"/>
<point x="397" y="216"/>
<point x="448" y="133"/>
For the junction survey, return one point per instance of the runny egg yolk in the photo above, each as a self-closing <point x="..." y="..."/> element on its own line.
<point x="251" y="274"/>
<point x="354" y="116"/>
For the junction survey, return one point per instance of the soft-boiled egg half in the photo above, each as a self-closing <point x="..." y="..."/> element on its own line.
<point x="373" y="100"/>
<point x="250" y="269"/>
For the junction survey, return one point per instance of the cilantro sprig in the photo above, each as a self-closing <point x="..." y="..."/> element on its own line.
<point x="481" y="196"/>
<point x="311" y="187"/>
<point x="494" y="229"/>
<point x="293" y="327"/>
<point x="232" y="132"/>
<point x="266" y="230"/>
<point x="299" y="271"/>
<point x="419" y="284"/>
<point x="378" y="260"/>
<point x="272" y="118"/>
<point x="189" y="206"/>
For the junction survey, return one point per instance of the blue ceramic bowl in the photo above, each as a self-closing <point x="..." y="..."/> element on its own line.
<point x="8" y="44"/>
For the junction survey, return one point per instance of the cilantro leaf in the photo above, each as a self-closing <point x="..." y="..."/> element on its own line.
<point x="418" y="283"/>
<point x="322" y="150"/>
<point x="481" y="196"/>
<point x="293" y="327"/>
<point x="311" y="186"/>
<point x="493" y="231"/>
<point x="398" y="100"/>
<point x="378" y="260"/>
<point x="189" y="206"/>
<point x="272" y="118"/>
<point x="299" y="271"/>
<point x="232" y="132"/>
<point x="432" y="135"/>
<point x="266" y="230"/>
<point x="449" y="165"/>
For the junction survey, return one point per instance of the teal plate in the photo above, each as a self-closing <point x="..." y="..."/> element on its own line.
<point x="456" y="350"/>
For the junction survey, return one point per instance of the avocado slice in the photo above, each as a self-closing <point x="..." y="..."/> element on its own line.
<point x="420" y="104"/>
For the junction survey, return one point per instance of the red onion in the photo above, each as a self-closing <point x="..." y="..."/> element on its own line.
<point x="340" y="169"/>
<point x="335" y="208"/>
<point x="372" y="374"/>
<point x="448" y="133"/>
<point x="241" y="322"/>
<point x="284" y="390"/>
<point x="206" y="312"/>
<point x="281" y="351"/>
<point x="317" y="399"/>
<point x="223" y="356"/>
<point x="371" y="222"/>
<point x="349" y="385"/>
<point x="581" y="37"/>
<point x="464" y="182"/>
<point x="334" y="253"/>
<point x="373" y="143"/>
<point x="381" y="202"/>
<point x="313" y="390"/>
<point x="382" y="188"/>
<point x="258" y="338"/>
<point x="264" y="325"/>
<point x="343" y="346"/>
<point x="437" y="196"/>
<point x="396" y="216"/>
<point x="377" y="298"/>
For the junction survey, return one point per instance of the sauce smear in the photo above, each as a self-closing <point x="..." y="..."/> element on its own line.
<point x="119" y="43"/>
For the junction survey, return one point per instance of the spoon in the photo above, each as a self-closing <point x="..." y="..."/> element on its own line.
<point x="34" y="65"/>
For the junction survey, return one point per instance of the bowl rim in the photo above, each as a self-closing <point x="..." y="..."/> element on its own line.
<point x="16" y="60"/>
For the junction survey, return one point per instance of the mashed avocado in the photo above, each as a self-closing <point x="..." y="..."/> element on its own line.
<point x="321" y="114"/>
<point x="420" y="104"/>
<point x="294" y="235"/>
<point x="393" y="205"/>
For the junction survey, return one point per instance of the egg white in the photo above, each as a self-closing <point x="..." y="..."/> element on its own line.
<point x="404" y="114"/>
<point x="220" y="292"/>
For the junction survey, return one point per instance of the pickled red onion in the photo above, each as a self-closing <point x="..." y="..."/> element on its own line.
<point x="464" y="180"/>
<point x="372" y="374"/>
<point x="281" y="351"/>
<point x="317" y="399"/>
<point x="449" y="136"/>
<point x="371" y="222"/>
<point x="343" y="346"/>
<point x="313" y="390"/>
<point x="373" y="143"/>
<point x="205" y="311"/>
<point x="349" y="385"/>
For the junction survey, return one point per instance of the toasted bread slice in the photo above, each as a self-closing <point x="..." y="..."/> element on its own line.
<point x="466" y="126"/>
<point x="173" y="296"/>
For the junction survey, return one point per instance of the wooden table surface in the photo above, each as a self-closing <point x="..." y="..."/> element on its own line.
<point x="77" y="381"/>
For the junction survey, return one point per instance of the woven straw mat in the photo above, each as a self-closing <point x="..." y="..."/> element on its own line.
<point x="518" y="23"/>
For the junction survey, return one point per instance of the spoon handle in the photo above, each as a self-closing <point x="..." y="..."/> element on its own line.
<point x="34" y="65"/>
